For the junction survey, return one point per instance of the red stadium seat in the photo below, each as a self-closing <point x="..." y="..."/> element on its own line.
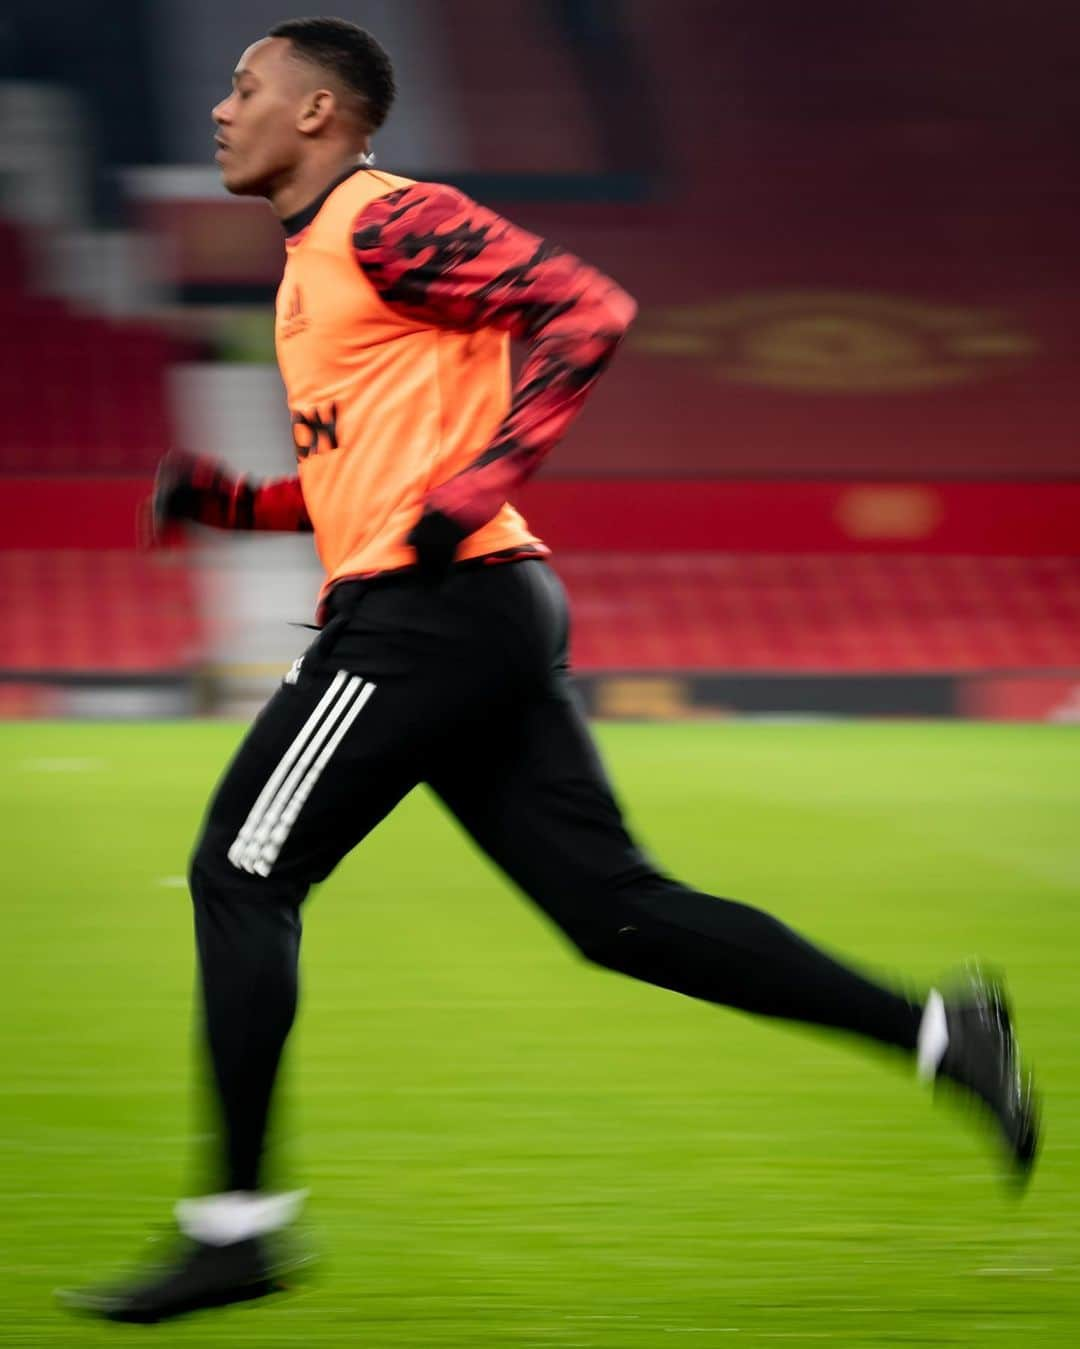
<point x="81" y="394"/>
<point x="108" y="611"/>
<point x="820" y="612"/>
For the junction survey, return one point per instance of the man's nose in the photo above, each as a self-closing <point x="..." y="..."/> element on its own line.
<point x="219" y="112"/>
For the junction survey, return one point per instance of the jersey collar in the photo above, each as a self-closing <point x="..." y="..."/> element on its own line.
<point x="293" y="224"/>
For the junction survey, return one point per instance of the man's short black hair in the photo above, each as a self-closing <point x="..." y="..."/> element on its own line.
<point x="350" y="53"/>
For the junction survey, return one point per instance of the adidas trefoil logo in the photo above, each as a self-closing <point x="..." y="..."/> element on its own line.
<point x="294" y="320"/>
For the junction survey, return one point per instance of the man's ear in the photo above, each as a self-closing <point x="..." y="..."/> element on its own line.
<point x="317" y="109"/>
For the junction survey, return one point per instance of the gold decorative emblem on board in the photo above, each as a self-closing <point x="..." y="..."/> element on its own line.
<point x="836" y="341"/>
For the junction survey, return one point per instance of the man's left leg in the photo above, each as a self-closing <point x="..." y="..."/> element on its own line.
<point x="536" y="799"/>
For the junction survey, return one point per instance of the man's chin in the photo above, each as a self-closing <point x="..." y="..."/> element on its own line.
<point x="240" y="185"/>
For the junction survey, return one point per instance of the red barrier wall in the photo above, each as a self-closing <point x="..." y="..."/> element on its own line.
<point x="665" y="515"/>
<point x="85" y="512"/>
<point x="1019" y="519"/>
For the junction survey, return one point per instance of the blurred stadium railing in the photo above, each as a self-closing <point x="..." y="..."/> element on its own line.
<point x="835" y="469"/>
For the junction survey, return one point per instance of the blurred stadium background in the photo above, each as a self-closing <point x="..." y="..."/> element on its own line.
<point x="835" y="472"/>
<point x="835" y="469"/>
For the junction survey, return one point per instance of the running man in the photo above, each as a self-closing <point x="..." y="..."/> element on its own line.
<point x="443" y="651"/>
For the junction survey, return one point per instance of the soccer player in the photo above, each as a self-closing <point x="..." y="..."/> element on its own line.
<point x="443" y="651"/>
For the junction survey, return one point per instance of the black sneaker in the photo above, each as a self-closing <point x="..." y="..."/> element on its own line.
<point x="983" y="1057"/>
<point x="196" y="1276"/>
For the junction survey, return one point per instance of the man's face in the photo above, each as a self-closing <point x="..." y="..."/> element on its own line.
<point x="258" y="137"/>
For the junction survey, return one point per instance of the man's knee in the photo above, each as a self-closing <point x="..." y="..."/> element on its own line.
<point x="607" y="945"/>
<point x="615" y="930"/>
<point x="217" y="876"/>
<point x="208" y="867"/>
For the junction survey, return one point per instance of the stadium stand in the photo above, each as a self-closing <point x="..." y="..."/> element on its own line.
<point x="507" y="60"/>
<point x="857" y="613"/>
<point x="857" y="270"/>
<point x="96" y="612"/>
<point x="85" y="421"/>
<point x="81" y="394"/>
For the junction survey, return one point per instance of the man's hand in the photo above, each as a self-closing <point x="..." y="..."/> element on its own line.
<point x="187" y="487"/>
<point x="193" y="487"/>
<point x="435" y="537"/>
<point x="175" y="492"/>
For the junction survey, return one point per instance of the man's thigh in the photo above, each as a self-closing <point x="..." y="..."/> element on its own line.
<point x="534" y="795"/>
<point x="325" y="760"/>
<point x="375" y="703"/>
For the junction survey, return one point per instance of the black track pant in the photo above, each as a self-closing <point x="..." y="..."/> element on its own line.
<point x="462" y="685"/>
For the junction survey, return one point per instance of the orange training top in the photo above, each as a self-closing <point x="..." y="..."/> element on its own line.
<point x="392" y="328"/>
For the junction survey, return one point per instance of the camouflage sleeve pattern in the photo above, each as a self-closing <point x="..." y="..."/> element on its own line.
<point x="194" y="487"/>
<point x="434" y="255"/>
<point x="279" y="504"/>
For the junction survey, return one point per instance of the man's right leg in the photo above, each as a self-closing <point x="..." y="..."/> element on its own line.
<point x="316" y="773"/>
<point x="403" y="666"/>
<point x="321" y="766"/>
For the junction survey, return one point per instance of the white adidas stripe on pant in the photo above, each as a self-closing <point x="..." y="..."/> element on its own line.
<point x="258" y="844"/>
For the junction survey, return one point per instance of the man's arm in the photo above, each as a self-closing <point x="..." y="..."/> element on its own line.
<point x="433" y="254"/>
<point x="191" y="487"/>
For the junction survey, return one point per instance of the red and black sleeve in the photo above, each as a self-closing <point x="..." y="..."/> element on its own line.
<point x="434" y="255"/>
<point x="277" y="504"/>
<point x="193" y="487"/>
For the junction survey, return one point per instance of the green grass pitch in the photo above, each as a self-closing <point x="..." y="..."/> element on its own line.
<point x="509" y="1148"/>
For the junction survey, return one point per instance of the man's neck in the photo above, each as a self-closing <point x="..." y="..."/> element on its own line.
<point x="307" y="182"/>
